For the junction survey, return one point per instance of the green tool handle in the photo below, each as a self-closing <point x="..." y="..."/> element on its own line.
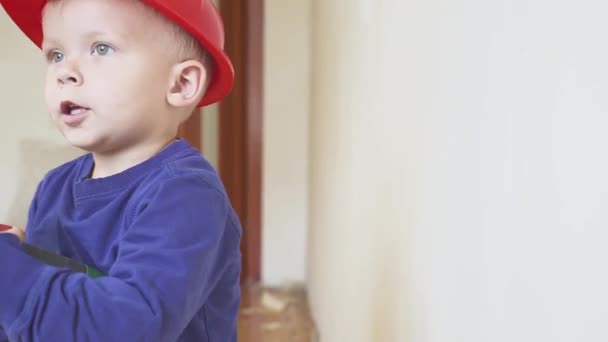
<point x="57" y="260"/>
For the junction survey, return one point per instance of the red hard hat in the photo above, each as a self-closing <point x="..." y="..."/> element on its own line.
<point x="200" y="18"/>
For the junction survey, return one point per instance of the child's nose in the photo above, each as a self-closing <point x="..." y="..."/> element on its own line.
<point x="68" y="75"/>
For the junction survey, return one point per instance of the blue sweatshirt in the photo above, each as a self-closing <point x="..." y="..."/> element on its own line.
<point x="163" y="231"/>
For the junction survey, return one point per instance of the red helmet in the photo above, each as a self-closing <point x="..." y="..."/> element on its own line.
<point x="200" y="18"/>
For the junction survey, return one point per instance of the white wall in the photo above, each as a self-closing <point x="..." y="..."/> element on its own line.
<point x="458" y="177"/>
<point x="286" y="116"/>
<point x="360" y="139"/>
<point x="29" y="143"/>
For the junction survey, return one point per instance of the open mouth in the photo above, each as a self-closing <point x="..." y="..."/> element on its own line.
<point x="71" y="108"/>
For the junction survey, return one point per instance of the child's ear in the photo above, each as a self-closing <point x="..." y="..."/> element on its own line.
<point x="186" y="84"/>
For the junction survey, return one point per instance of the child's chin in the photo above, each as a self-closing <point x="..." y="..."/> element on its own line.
<point x="83" y="143"/>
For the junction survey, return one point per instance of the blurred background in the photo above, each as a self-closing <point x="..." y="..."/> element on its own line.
<point x="426" y="171"/>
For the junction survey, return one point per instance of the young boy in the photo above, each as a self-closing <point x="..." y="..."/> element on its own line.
<point x="142" y="207"/>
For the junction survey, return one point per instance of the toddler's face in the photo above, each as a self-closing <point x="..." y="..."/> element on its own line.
<point x="108" y="73"/>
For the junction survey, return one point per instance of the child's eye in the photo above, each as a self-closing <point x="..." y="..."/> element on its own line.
<point x="102" y="49"/>
<point x="55" y="56"/>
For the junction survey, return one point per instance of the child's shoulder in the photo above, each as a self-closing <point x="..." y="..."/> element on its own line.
<point x="193" y="164"/>
<point x="188" y="169"/>
<point x="63" y="171"/>
<point x="186" y="181"/>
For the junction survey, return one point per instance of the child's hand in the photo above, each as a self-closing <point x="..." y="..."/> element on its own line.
<point x="4" y="229"/>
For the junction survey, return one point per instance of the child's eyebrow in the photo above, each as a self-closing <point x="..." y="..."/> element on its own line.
<point x="97" y="34"/>
<point x="49" y="42"/>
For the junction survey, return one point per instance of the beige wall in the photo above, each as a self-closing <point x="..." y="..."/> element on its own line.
<point x="359" y="142"/>
<point x="29" y="144"/>
<point x="286" y="121"/>
<point x="210" y="134"/>
<point x="210" y="131"/>
<point x="458" y="171"/>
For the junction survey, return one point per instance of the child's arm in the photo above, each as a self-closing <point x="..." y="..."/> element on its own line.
<point x="48" y="257"/>
<point x="167" y="263"/>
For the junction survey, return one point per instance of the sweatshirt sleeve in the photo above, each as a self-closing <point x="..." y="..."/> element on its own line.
<point x="168" y="261"/>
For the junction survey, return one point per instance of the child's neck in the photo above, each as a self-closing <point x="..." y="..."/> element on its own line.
<point x="114" y="162"/>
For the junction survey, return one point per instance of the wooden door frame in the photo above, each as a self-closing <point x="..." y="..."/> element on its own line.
<point x="241" y="126"/>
